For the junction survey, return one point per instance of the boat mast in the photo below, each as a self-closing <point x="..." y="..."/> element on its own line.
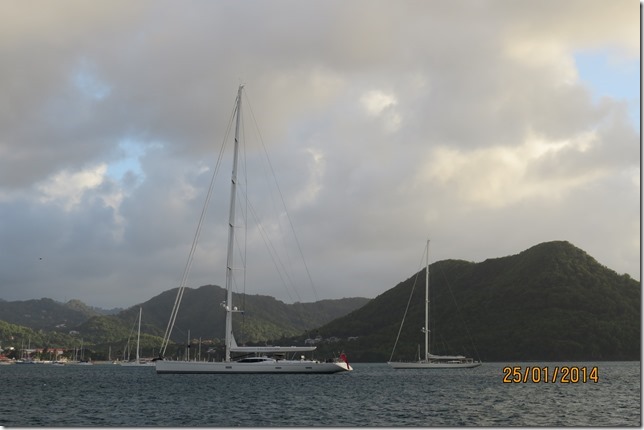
<point x="427" y="302"/>
<point x="138" y="338"/>
<point x="231" y="233"/>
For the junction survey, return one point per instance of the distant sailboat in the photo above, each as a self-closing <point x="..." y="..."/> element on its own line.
<point x="139" y="361"/>
<point x="25" y="358"/>
<point x="82" y="361"/>
<point x="259" y="359"/>
<point x="431" y="361"/>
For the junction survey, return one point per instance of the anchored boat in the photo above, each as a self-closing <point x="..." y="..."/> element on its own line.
<point x="258" y="359"/>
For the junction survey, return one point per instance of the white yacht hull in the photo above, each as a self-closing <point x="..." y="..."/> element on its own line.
<point x="279" y="366"/>
<point x="135" y="364"/>
<point x="426" y="365"/>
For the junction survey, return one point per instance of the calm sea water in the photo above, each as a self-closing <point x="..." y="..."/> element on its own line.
<point x="371" y="395"/>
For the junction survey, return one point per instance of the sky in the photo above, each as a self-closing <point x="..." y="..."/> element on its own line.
<point x="486" y="126"/>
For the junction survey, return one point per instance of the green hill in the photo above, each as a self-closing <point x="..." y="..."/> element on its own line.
<point x="264" y="317"/>
<point x="44" y="314"/>
<point x="550" y="302"/>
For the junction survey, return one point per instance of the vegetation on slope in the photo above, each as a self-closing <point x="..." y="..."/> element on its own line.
<point x="550" y="302"/>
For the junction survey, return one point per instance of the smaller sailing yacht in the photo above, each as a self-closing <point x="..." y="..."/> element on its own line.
<point x="432" y="361"/>
<point x="139" y="361"/>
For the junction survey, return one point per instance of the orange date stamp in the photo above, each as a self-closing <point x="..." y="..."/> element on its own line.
<point x="547" y="374"/>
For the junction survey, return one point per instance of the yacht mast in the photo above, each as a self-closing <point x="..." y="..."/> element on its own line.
<point x="138" y="338"/>
<point x="231" y="234"/>
<point x="427" y="302"/>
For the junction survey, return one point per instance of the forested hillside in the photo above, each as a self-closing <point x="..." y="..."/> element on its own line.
<point x="550" y="302"/>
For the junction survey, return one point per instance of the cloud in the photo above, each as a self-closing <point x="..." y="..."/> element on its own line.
<point x="502" y="175"/>
<point x="67" y="188"/>
<point x="474" y="123"/>
<point x="379" y="104"/>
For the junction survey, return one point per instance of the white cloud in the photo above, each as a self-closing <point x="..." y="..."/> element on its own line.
<point x="315" y="182"/>
<point x="67" y="188"/>
<point x="376" y="101"/>
<point x="71" y="191"/>
<point x="500" y="176"/>
<point x="548" y="55"/>
<point x="380" y="104"/>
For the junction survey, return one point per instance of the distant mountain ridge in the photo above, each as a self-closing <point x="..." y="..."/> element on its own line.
<point x="45" y="321"/>
<point x="264" y="317"/>
<point x="45" y="314"/>
<point x="551" y="302"/>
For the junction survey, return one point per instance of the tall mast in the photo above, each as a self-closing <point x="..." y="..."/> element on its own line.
<point x="427" y="302"/>
<point x="231" y="233"/>
<point x="138" y="338"/>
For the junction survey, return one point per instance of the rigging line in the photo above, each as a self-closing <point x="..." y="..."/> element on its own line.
<point x="413" y="287"/>
<point x="272" y="252"/>
<point x="239" y="249"/>
<point x="186" y="271"/>
<point x="241" y="336"/>
<point x="244" y="211"/>
<point x="245" y="256"/>
<point x="243" y="250"/>
<point x="277" y="208"/>
<point x="460" y="314"/>
<point x="288" y="216"/>
<point x="128" y="339"/>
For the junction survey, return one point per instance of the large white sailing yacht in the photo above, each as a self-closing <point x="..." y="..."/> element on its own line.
<point x="258" y="359"/>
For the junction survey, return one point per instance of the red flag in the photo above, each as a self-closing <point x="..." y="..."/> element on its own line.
<point x="343" y="357"/>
